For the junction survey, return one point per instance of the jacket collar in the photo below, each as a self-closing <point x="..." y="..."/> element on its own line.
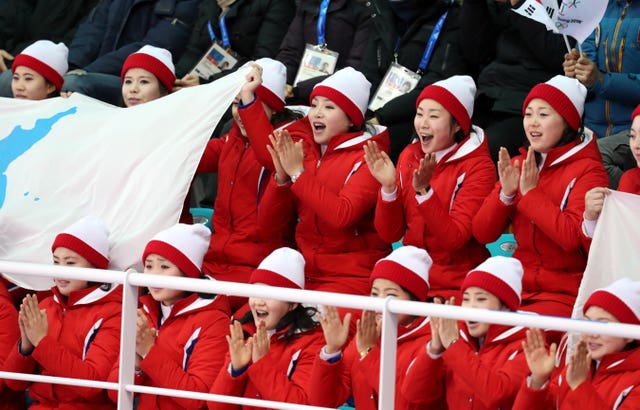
<point x="91" y="295"/>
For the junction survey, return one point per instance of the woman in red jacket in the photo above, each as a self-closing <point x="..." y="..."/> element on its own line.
<point x="441" y="181"/>
<point x="74" y="333"/>
<point x="322" y="179"/>
<point x="275" y="362"/>
<point x="237" y="245"/>
<point x="9" y="336"/>
<point x="474" y="365"/>
<point x="541" y="193"/>
<point x="603" y="372"/>
<point x="336" y="376"/>
<point x="180" y="335"/>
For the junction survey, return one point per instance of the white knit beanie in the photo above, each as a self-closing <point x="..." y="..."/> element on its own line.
<point x="283" y="267"/>
<point x="566" y="96"/>
<point x="408" y="266"/>
<point x="621" y="299"/>
<point x="349" y="89"/>
<point x="89" y="238"/>
<point x="456" y="94"/>
<point x="46" y="58"/>
<point x="182" y="244"/>
<point x="499" y="275"/>
<point x="274" y="81"/>
<point x="158" y="61"/>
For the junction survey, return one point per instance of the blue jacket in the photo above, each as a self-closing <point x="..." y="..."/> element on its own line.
<point x="117" y="28"/>
<point x="615" y="48"/>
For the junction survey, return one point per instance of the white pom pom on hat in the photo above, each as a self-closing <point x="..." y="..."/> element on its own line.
<point x="274" y="82"/>
<point x="456" y="94"/>
<point x="283" y="267"/>
<point x="621" y="299"/>
<point x="349" y="89"/>
<point x="46" y="58"/>
<point x="158" y="61"/>
<point x="566" y="96"/>
<point x="408" y="266"/>
<point x="89" y="238"/>
<point x="183" y="244"/>
<point x="499" y="275"/>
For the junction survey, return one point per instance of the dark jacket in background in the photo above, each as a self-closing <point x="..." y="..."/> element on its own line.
<point x="118" y="28"/>
<point x="256" y="29"/>
<point x="347" y="29"/>
<point x="446" y="59"/>
<point x="511" y="53"/>
<point x="24" y="21"/>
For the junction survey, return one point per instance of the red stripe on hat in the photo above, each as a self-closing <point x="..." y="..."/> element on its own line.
<point x="612" y="304"/>
<point x="272" y="279"/>
<point x="270" y="98"/>
<point x="450" y="102"/>
<point x="65" y="240"/>
<point x="635" y="112"/>
<point x="492" y="283"/>
<point x="43" y="69"/>
<point x="395" y="272"/>
<point x="558" y="100"/>
<point x="151" y="64"/>
<point x="172" y="254"/>
<point x="348" y="106"/>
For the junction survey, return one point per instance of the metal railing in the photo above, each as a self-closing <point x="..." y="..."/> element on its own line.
<point x="390" y="307"/>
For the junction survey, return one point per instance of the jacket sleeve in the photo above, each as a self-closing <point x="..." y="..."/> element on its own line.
<point x="496" y="387"/>
<point x="211" y="155"/>
<point x="528" y="398"/>
<point x="274" y="384"/>
<point x="493" y="217"/>
<point x="620" y="87"/>
<point x="345" y="208"/>
<point x="390" y="221"/>
<point x="166" y="33"/>
<point x="450" y="219"/>
<point x="258" y="128"/>
<point x="586" y="396"/>
<point x="101" y="353"/>
<point x="330" y="383"/>
<point x="86" y="42"/>
<point x="276" y="212"/>
<point x="203" y="366"/>
<point x="17" y="363"/>
<point x="425" y="380"/>
<point x="9" y="331"/>
<point x="564" y="226"/>
<point x="227" y="385"/>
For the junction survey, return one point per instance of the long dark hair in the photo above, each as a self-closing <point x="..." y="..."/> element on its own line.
<point x="286" y="115"/>
<point x="296" y="321"/>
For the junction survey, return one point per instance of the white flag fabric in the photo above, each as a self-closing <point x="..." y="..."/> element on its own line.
<point x="62" y="159"/>
<point x="614" y="249"/>
<point x="576" y="18"/>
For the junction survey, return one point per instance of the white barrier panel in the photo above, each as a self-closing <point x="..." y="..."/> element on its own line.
<point x="389" y="306"/>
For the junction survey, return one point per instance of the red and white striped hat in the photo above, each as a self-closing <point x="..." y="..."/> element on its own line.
<point x="184" y="245"/>
<point x="408" y="266"/>
<point x="46" y="58"/>
<point x="456" y="94"/>
<point x="621" y="299"/>
<point x="349" y="89"/>
<point x="283" y="267"/>
<point x="500" y="275"/>
<point x="566" y="96"/>
<point x="156" y="60"/>
<point x="274" y="82"/>
<point x="89" y="238"/>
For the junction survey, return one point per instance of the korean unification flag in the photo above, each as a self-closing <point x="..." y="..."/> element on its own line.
<point x="62" y="159"/>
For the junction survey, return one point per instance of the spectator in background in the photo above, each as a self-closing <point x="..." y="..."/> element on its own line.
<point x="23" y="22"/>
<point x="346" y="31"/>
<point x="118" y="28"/>
<point x="510" y="54"/>
<point x="609" y="69"/>
<point x="401" y="33"/>
<point x="255" y="29"/>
